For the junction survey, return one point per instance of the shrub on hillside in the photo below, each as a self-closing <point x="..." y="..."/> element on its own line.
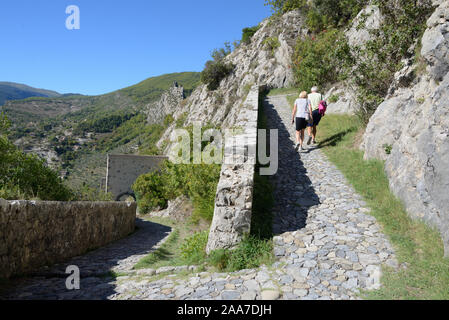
<point x="271" y="44"/>
<point x="214" y="72"/>
<point x="320" y="14"/>
<point x="196" y="181"/>
<point x="193" y="249"/>
<point x="283" y="6"/>
<point x="380" y="59"/>
<point x="250" y="253"/>
<point x="217" y="69"/>
<point x="321" y="60"/>
<point x="25" y="176"/>
<point x="247" y="34"/>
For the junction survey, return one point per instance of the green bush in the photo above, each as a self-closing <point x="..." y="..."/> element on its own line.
<point x="216" y="69"/>
<point x="380" y="59"/>
<point x="247" y="34"/>
<point x="103" y="124"/>
<point x="320" y="14"/>
<point x="333" y="98"/>
<point x="271" y="44"/>
<point x="86" y="193"/>
<point x="321" y="60"/>
<point x="193" y="249"/>
<point x="150" y="192"/>
<point x="214" y="72"/>
<point x="283" y="6"/>
<point x="181" y="120"/>
<point x="25" y="176"/>
<point x="196" y="181"/>
<point x="250" y="253"/>
<point x="168" y="120"/>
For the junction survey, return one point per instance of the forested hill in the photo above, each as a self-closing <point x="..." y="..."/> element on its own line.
<point x="78" y="107"/>
<point x="17" y="91"/>
<point x="73" y="133"/>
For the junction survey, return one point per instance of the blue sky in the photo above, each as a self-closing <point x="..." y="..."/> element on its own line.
<point x="119" y="43"/>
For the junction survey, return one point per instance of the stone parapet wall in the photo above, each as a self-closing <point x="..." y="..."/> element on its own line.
<point x="233" y="201"/>
<point x="38" y="233"/>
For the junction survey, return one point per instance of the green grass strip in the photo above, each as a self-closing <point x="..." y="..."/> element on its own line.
<point x="416" y="244"/>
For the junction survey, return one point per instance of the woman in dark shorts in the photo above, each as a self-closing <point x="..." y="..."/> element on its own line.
<point x="302" y="112"/>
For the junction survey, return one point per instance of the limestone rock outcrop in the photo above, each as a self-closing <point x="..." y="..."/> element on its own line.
<point x="255" y="64"/>
<point x="166" y="105"/>
<point x="358" y="34"/>
<point x="346" y="100"/>
<point x="410" y="131"/>
<point x="370" y="18"/>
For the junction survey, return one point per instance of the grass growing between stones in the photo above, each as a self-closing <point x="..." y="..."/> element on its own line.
<point x="417" y="245"/>
<point x="170" y="252"/>
<point x="256" y="249"/>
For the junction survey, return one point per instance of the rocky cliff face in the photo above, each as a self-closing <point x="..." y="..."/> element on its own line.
<point x="413" y="122"/>
<point x="255" y="64"/>
<point x="168" y="103"/>
<point x="357" y="34"/>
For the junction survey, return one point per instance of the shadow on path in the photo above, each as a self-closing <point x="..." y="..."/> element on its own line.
<point x="97" y="268"/>
<point x="334" y="139"/>
<point x="293" y="190"/>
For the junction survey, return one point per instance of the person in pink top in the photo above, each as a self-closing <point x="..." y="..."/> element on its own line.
<point x="315" y="98"/>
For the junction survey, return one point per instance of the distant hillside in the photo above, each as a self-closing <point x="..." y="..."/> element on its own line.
<point x="80" y="107"/>
<point x="17" y="91"/>
<point x="73" y="133"/>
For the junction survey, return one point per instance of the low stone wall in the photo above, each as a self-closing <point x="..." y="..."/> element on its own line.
<point x="233" y="201"/>
<point x="35" y="234"/>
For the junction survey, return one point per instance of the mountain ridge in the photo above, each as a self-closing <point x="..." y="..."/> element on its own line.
<point x="18" y="91"/>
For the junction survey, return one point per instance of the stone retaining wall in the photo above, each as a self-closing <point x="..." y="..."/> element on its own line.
<point x="233" y="201"/>
<point x="35" y="234"/>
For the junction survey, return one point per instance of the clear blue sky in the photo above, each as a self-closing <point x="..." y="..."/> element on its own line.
<point x="120" y="43"/>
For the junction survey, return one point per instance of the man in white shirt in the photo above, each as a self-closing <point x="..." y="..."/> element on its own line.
<point x="315" y="98"/>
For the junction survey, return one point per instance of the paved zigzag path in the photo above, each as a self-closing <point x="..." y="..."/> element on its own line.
<point x="326" y="244"/>
<point x="119" y="256"/>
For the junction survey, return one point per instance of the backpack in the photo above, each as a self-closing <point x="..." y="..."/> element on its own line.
<point x="322" y="107"/>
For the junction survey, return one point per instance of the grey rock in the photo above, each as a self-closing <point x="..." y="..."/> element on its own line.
<point x="279" y="251"/>
<point x="270" y="295"/>
<point x="251" y="285"/>
<point x="230" y="295"/>
<point x="286" y="279"/>
<point x="249" y="295"/>
<point x="417" y="167"/>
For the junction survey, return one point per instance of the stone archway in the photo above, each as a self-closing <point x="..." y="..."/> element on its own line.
<point x="129" y="194"/>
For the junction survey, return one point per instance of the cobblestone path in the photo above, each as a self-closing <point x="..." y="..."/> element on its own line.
<point x="327" y="246"/>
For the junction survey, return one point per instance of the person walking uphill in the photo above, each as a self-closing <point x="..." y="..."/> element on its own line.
<point x="302" y="112"/>
<point x="315" y="98"/>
